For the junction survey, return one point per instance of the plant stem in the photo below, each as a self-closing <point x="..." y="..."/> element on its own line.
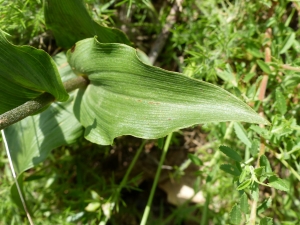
<point x="123" y="182"/>
<point x="16" y="179"/>
<point x="287" y="165"/>
<point x="162" y="159"/>
<point x="35" y="105"/>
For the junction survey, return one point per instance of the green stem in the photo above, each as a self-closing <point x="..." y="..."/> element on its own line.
<point x="125" y="178"/>
<point x="35" y="105"/>
<point x="123" y="182"/>
<point x="287" y="165"/>
<point x="155" y="182"/>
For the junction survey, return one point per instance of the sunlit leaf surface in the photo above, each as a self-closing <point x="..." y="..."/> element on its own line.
<point x="128" y="97"/>
<point x="31" y="140"/>
<point x="25" y="73"/>
<point x="63" y="16"/>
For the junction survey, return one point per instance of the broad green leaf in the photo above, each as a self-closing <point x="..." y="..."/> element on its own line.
<point x="264" y="66"/>
<point x="278" y="183"/>
<point x="25" y="73"/>
<point x="128" y="97"/>
<point x="231" y="153"/>
<point x="235" y="215"/>
<point x="280" y="102"/>
<point x="241" y="134"/>
<point x="288" y="42"/>
<point x="230" y="169"/>
<point x="70" y="22"/>
<point x="31" y="140"/>
<point x="244" y="205"/>
<point x="266" y="221"/>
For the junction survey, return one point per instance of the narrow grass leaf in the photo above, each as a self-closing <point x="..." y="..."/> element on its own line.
<point x="195" y="159"/>
<point x="244" y="185"/>
<point x="242" y="134"/>
<point x="288" y="42"/>
<point x="128" y="97"/>
<point x="266" y="221"/>
<point x="264" y="206"/>
<point x="235" y="215"/>
<point x="231" y="153"/>
<point x="264" y="66"/>
<point x="278" y="183"/>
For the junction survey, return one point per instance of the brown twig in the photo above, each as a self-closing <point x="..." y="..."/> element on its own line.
<point x="162" y="38"/>
<point x="35" y="105"/>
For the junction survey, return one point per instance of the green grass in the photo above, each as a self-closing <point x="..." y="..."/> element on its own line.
<point x="217" y="41"/>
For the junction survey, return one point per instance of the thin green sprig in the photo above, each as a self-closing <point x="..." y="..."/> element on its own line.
<point x="162" y="159"/>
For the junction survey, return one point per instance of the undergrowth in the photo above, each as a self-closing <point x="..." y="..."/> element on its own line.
<point x="223" y="42"/>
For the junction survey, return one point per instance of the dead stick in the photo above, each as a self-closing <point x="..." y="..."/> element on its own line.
<point x="162" y="38"/>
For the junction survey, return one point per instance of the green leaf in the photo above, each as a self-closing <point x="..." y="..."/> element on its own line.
<point x="230" y="169"/>
<point x="278" y="183"/>
<point x="70" y="22"/>
<point x="31" y="140"/>
<point x="254" y="147"/>
<point x="195" y="159"/>
<point x="266" y="221"/>
<point x="244" y="205"/>
<point x="280" y="102"/>
<point x="259" y="171"/>
<point x="264" y="66"/>
<point x="25" y="73"/>
<point x="288" y="42"/>
<point x="235" y="215"/>
<point x="261" y="131"/>
<point x="291" y="81"/>
<point x="254" y="191"/>
<point x="231" y="153"/>
<point x="264" y="206"/>
<point x="241" y="134"/>
<point x="128" y="97"/>
<point x="244" y="185"/>
<point x="92" y="206"/>
<point x="264" y="162"/>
